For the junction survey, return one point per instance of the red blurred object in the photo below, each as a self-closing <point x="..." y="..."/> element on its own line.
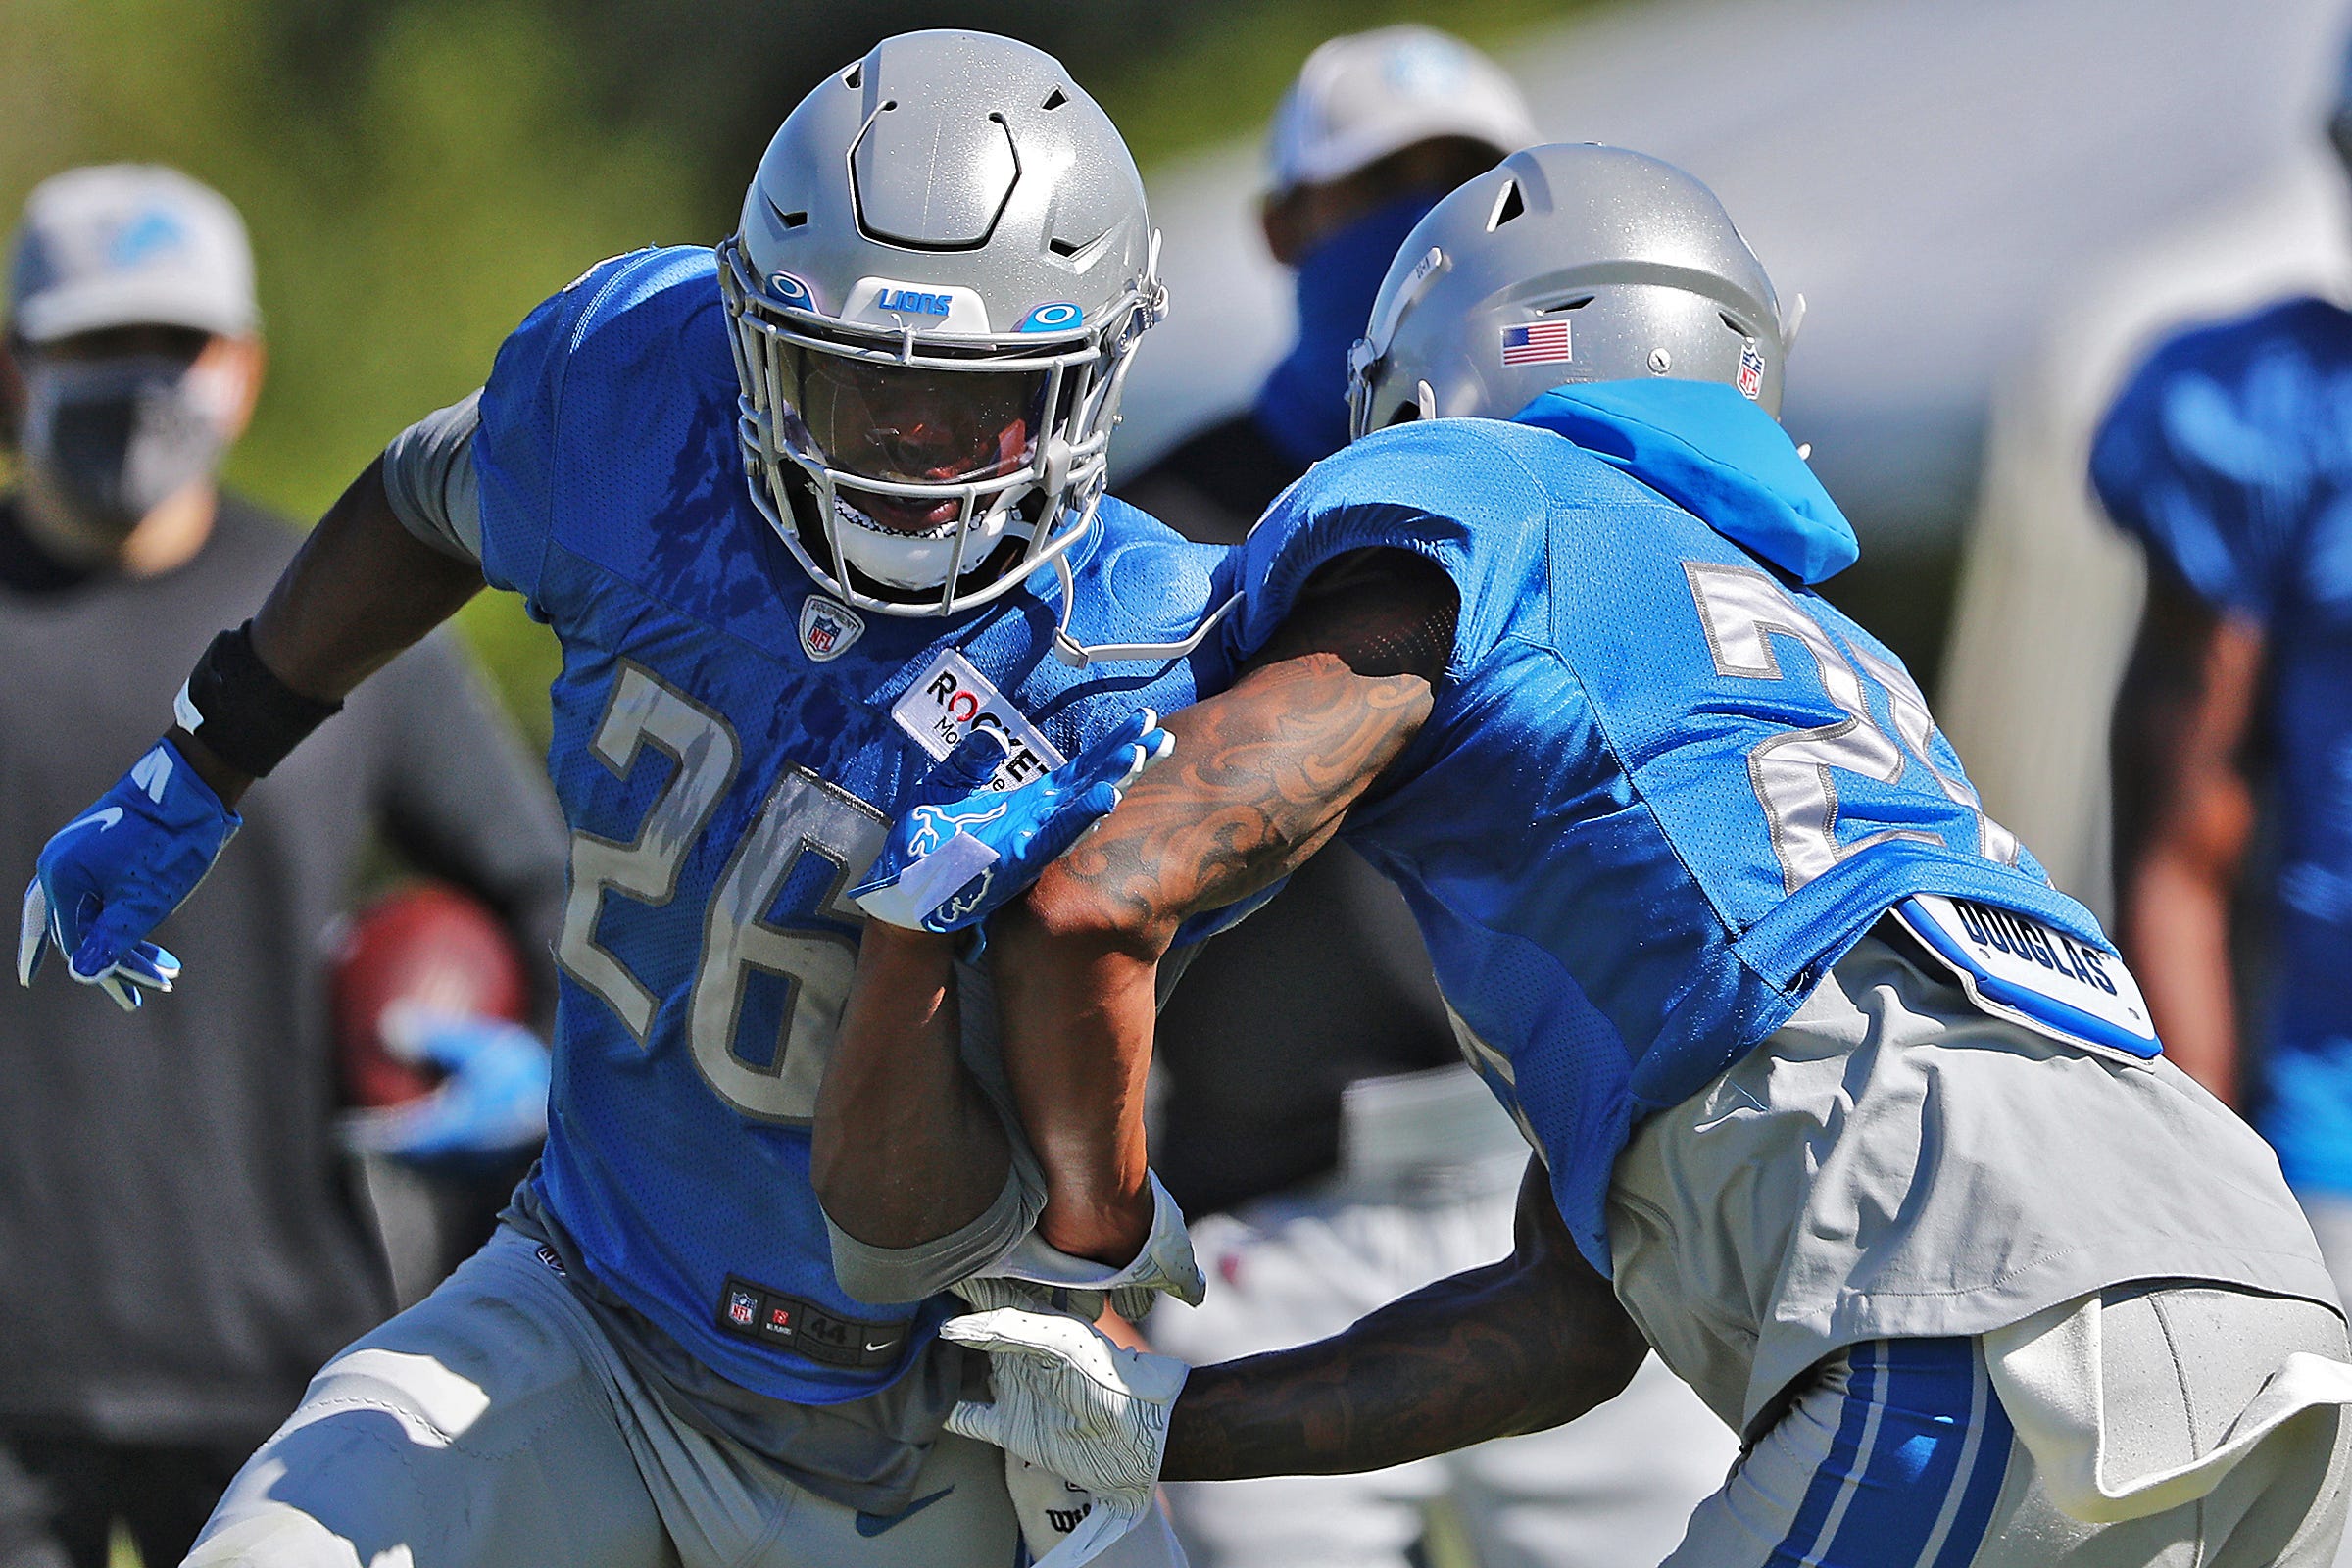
<point x="428" y="944"/>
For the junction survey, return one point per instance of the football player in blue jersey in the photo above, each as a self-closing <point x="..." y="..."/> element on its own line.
<point x="811" y="513"/>
<point x="2228" y="455"/>
<point x="1841" y="1105"/>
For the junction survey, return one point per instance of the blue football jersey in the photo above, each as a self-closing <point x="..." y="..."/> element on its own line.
<point x="1664" y="785"/>
<point x="2229" y="454"/>
<point x="729" y="744"/>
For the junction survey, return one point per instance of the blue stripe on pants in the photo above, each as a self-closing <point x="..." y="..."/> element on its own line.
<point x="1862" y="1375"/>
<point x="1982" y="1488"/>
<point x="1916" y="1466"/>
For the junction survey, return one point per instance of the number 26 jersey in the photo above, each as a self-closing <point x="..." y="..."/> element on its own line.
<point x="729" y="743"/>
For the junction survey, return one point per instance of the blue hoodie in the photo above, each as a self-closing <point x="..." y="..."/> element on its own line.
<point x="1717" y="456"/>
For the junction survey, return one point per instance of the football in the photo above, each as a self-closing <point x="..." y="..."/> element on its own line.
<point x="428" y="944"/>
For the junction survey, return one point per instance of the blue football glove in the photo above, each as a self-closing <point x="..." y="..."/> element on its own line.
<point x="111" y="875"/>
<point x="964" y="849"/>
<point x="493" y="1104"/>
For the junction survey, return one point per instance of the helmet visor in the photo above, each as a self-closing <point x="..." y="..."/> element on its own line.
<point x="913" y="425"/>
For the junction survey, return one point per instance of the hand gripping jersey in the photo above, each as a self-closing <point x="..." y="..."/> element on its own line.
<point x="1664" y="786"/>
<point x="728" y="745"/>
<point x="2229" y="454"/>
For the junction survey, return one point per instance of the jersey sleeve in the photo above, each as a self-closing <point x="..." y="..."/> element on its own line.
<point x="429" y="480"/>
<point x="515" y="455"/>
<point x="1390" y="491"/>
<point x="2181" y="464"/>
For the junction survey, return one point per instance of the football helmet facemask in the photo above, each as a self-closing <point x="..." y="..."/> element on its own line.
<point x="943" y="267"/>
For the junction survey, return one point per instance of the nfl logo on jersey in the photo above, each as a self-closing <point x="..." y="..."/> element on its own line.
<point x="827" y="629"/>
<point x="742" y="1307"/>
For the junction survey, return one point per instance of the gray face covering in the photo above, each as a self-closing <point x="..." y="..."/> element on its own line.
<point x="115" y="438"/>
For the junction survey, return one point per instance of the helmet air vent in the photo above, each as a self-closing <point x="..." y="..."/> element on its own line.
<point x="1508" y="204"/>
<point x="795" y="219"/>
<point x="856" y="76"/>
<point x="1576" y="304"/>
<point x="1055" y="99"/>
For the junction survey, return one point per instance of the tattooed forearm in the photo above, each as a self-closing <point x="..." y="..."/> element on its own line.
<point x="1517" y="1347"/>
<point x="1260" y="779"/>
<point x="1263" y="774"/>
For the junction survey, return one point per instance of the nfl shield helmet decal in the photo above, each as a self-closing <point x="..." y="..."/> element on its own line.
<point x="1752" y="372"/>
<point x="827" y="629"/>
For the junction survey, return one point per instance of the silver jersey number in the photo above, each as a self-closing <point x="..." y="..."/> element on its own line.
<point x="803" y="815"/>
<point x="1740" y="608"/>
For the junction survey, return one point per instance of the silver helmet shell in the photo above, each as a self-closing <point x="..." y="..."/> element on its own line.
<point x="1566" y="262"/>
<point x="949" y="210"/>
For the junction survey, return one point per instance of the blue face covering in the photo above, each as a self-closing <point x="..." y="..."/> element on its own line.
<point x="1303" y="407"/>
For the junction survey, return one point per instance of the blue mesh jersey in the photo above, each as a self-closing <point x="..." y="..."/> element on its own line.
<point x="1664" y="785"/>
<point x="2229" y="454"/>
<point x="728" y="745"/>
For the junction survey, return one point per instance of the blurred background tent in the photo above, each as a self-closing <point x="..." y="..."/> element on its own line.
<point x="1953" y="184"/>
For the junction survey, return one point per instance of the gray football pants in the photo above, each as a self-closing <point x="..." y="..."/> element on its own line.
<point x="493" y="1425"/>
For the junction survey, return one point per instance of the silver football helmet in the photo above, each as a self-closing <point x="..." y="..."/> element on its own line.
<point x="943" y="267"/>
<point x="1567" y="263"/>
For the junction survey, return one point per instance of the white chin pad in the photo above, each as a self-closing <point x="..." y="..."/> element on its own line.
<point x="913" y="560"/>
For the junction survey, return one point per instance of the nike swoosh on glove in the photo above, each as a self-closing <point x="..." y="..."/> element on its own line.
<point x="493" y="1104"/>
<point x="962" y="848"/>
<point x="1071" y="1401"/>
<point x="108" y="878"/>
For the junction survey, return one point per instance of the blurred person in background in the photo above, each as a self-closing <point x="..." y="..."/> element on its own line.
<point x="791" y="504"/>
<point x="180" y="1241"/>
<point x="1334" y="1151"/>
<point x="2229" y="455"/>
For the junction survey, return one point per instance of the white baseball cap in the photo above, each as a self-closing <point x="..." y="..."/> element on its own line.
<point x="129" y="245"/>
<point x="1365" y="96"/>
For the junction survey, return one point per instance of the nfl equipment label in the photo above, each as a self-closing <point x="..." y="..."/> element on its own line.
<point x="2017" y="968"/>
<point x="752" y="1311"/>
<point x="950" y="699"/>
<point x="827" y="629"/>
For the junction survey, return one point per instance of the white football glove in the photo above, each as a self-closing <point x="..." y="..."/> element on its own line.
<point x="1165" y="1265"/>
<point x="1073" y="1404"/>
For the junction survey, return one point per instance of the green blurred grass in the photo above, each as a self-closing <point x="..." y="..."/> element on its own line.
<point x="418" y="173"/>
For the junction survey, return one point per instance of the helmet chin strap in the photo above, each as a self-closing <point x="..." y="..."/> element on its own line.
<point x="1077" y="654"/>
